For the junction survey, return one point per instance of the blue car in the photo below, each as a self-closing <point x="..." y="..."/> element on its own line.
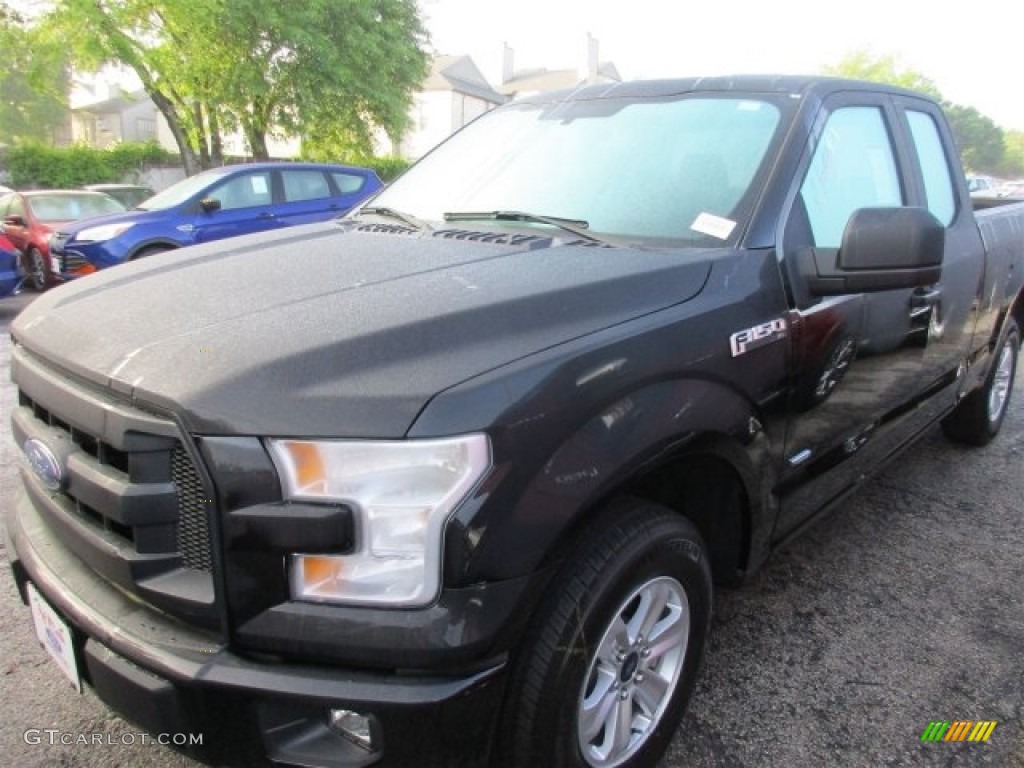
<point x="11" y="277"/>
<point x="218" y="203"/>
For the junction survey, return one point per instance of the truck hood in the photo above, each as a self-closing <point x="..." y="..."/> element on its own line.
<point x="335" y="330"/>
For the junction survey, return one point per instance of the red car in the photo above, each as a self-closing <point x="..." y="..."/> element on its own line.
<point x="28" y="218"/>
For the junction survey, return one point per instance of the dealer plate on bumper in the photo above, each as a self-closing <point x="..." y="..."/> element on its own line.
<point x="55" y="635"/>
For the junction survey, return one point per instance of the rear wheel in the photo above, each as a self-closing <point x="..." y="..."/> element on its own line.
<point x="978" y="417"/>
<point x="611" y="658"/>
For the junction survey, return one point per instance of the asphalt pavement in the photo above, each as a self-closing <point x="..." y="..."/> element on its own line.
<point x="904" y="607"/>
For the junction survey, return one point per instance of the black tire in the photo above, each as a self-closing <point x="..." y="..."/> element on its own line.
<point x="978" y="417"/>
<point x="36" y="270"/>
<point x="152" y="250"/>
<point x="638" y="564"/>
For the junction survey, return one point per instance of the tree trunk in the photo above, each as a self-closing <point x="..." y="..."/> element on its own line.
<point x="189" y="159"/>
<point x="257" y="142"/>
<point x="216" y="145"/>
<point x="200" y="123"/>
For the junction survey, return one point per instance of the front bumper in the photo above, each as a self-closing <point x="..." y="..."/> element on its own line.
<point x="172" y="678"/>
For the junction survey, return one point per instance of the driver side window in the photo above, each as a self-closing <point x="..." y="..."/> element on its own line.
<point x="853" y="167"/>
<point x="245" y="191"/>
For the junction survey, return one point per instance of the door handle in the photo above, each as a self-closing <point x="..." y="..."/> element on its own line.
<point x="923" y="301"/>
<point x="925" y="297"/>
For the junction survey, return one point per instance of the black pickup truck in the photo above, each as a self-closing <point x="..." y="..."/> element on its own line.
<point x="449" y="481"/>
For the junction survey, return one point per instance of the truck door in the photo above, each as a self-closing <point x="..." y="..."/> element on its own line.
<point x="864" y="373"/>
<point x="952" y="304"/>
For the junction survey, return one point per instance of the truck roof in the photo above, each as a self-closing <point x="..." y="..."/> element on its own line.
<point x="805" y="85"/>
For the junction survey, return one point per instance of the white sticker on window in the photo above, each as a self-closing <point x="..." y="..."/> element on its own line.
<point x="259" y="185"/>
<point x="716" y="226"/>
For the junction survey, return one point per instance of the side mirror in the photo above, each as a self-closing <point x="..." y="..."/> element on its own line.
<point x="14" y="220"/>
<point x="209" y="204"/>
<point x="883" y="249"/>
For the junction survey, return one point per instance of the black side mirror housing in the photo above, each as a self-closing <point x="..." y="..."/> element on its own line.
<point x="883" y="249"/>
<point x="209" y="204"/>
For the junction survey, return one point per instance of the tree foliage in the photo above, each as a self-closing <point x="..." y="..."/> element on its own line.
<point x="1013" y="154"/>
<point x="337" y="68"/>
<point x="863" y="65"/>
<point x="980" y="140"/>
<point x="33" y="82"/>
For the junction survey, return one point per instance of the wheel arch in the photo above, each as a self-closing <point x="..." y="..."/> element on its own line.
<point x="162" y="243"/>
<point x="695" y="446"/>
<point x="710" y="480"/>
<point x="1017" y="310"/>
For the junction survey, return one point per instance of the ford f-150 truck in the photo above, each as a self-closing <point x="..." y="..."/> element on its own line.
<point x="449" y="481"/>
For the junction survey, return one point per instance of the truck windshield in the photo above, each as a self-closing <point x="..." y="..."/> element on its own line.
<point x="675" y="171"/>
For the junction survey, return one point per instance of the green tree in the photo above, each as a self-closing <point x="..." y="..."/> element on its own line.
<point x="863" y="65"/>
<point x="33" y="82"/>
<point x="323" y="68"/>
<point x="1013" y="154"/>
<point x="264" y="67"/>
<point x="979" y="139"/>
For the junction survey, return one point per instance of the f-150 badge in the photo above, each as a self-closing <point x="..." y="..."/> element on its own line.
<point x="743" y="341"/>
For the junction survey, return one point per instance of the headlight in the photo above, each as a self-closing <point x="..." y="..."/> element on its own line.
<point x="401" y="494"/>
<point x="103" y="232"/>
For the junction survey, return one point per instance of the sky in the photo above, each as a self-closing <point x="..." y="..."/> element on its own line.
<point x="971" y="53"/>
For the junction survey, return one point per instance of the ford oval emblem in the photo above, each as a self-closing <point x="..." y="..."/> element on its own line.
<point x="44" y="463"/>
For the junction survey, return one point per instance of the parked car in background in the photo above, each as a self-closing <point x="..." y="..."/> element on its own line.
<point x="129" y="195"/>
<point x="29" y="218"/>
<point x="1011" y="189"/>
<point x="982" y="186"/>
<point x="214" y="204"/>
<point x="11" y="276"/>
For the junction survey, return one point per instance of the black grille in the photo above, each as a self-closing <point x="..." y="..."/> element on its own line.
<point x="132" y="504"/>
<point x="193" y="514"/>
<point x="72" y="261"/>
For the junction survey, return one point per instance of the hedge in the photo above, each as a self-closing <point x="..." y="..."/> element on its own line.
<point x="39" y="166"/>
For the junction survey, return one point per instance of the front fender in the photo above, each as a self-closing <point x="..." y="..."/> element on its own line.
<point x="534" y="498"/>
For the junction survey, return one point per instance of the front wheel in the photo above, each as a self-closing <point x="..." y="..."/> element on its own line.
<point x="613" y="653"/>
<point x="38" y="274"/>
<point x="978" y="417"/>
<point x="151" y="250"/>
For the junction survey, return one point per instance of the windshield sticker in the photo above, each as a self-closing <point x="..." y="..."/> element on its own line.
<point x="716" y="226"/>
<point x="750" y="106"/>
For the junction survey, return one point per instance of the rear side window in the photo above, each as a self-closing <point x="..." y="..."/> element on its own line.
<point x="348" y="183"/>
<point x="853" y="167"/>
<point x="305" y="185"/>
<point x="938" y="180"/>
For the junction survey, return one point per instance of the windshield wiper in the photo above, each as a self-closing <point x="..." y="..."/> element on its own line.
<point x="577" y="227"/>
<point x="392" y="213"/>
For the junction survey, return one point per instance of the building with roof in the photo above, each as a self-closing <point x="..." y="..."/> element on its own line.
<point x="454" y="94"/>
<point x="527" y="82"/>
